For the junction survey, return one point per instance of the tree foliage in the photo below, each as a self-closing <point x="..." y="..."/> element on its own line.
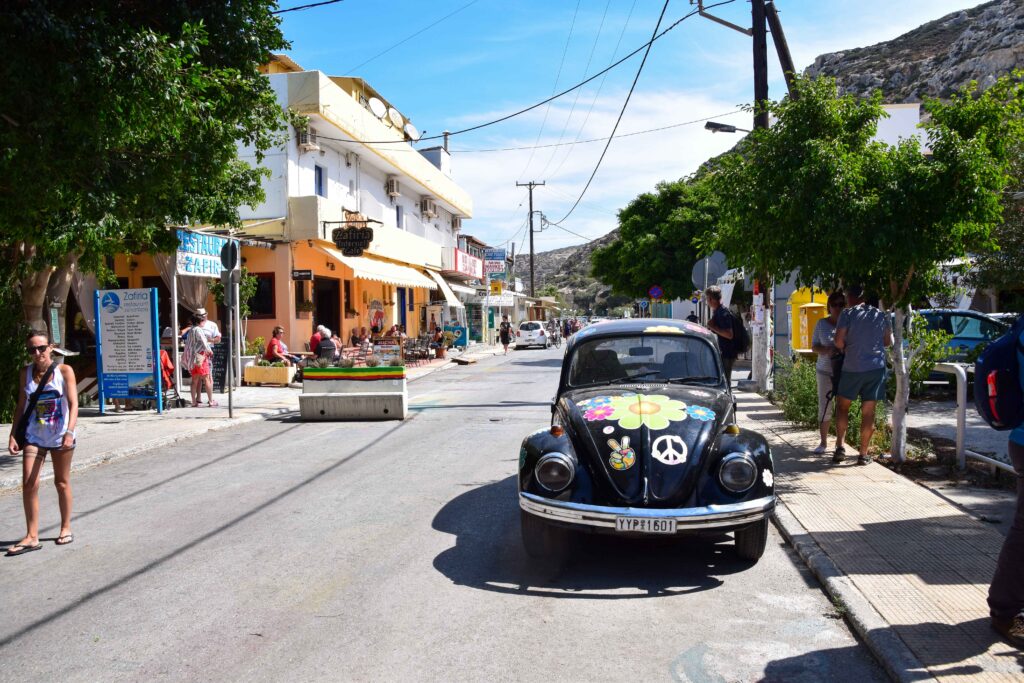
<point x="119" y="119"/>
<point x="655" y="243"/>
<point x="815" y="196"/>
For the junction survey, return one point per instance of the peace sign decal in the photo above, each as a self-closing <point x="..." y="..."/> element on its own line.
<point x="669" y="450"/>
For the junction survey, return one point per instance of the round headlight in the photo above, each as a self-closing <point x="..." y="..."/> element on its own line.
<point x="738" y="472"/>
<point x="554" y="471"/>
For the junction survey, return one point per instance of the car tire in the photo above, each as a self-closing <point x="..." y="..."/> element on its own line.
<point x="751" y="540"/>
<point x="541" y="540"/>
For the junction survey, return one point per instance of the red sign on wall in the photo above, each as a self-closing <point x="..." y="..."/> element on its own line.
<point x="467" y="264"/>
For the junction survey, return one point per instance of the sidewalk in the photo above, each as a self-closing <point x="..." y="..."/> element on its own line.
<point x="104" y="438"/>
<point x="911" y="568"/>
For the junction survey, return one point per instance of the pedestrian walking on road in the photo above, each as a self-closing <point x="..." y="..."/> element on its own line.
<point x="1006" y="594"/>
<point x="505" y="332"/>
<point x="823" y="344"/>
<point x="862" y="334"/>
<point x="721" y="323"/>
<point x="44" y="422"/>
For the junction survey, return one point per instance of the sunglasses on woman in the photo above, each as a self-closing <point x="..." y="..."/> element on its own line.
<point x="32" y="350"/>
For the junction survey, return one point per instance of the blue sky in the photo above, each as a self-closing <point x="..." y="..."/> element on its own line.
<point x="493" y="57"/>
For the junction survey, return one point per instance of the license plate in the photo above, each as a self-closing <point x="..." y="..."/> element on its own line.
<point x="645" y="525"/>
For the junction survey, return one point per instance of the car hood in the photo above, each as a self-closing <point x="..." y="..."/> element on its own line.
<point x="648" y="444"/>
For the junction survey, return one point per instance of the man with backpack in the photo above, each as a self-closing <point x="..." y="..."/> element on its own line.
<point x="999" y="397"/>
<point x="732" y="339"/>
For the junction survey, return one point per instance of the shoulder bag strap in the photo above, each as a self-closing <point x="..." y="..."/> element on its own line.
<point x="30" y="405"/>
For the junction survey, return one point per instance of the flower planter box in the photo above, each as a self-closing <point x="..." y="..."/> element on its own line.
<point x="354" y="394"/>
<point x="262" y="374"/>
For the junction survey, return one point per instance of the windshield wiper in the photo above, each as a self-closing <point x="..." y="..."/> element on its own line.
<point x="692" y="380"/>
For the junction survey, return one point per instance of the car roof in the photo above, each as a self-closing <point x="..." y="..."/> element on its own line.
<point x="632" y="326"/>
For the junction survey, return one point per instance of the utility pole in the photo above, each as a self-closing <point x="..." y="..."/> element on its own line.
<point x="532" y="185"/>
<point x="761" y="355"/>
<point x="759" y="27"/>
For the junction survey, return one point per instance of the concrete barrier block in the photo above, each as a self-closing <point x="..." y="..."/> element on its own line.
<point x="361" y="406"/>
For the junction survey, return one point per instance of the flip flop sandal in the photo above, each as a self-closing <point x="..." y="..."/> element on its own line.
<point x="22" y="549"/>
<point x="65" y="539"/>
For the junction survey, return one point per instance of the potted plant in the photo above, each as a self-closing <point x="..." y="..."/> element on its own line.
<point x="344" y="392"/>
<point x="265" y="372"/>
<point x="305" y="306"/>
<point x="253" y="350"/>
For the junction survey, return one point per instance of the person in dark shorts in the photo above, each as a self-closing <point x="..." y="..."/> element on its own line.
<point x="721" y="324"/>
<point x="862" y="334"/>
<point x="505" y="332"/>
<point x="1006" y="594"/>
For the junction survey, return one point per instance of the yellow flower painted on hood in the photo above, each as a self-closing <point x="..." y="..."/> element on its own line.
<point x="657" y="411"/>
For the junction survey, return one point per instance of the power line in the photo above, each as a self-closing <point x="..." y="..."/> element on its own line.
<point x="410" y="37"/>
<point x="309" y="6"/>
<point x="583" y="142"/>
<point x="549" y="99"/>
<point x="621" y="113"/>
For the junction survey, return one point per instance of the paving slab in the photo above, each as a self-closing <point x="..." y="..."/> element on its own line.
<point x="912" y="568"/>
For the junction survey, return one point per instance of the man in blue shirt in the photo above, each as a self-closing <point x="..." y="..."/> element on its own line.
<point x="1006" y="594"/>
<point x="862" y="334"/>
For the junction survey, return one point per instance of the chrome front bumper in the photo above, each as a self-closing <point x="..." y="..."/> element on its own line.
<point x="687" y="519"/>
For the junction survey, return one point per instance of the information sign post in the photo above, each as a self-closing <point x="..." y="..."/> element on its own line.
<point x="128" y="346"/>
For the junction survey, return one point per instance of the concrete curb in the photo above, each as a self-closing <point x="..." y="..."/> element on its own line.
<point x="12" y="482"/>
<point x="887" y="647"/>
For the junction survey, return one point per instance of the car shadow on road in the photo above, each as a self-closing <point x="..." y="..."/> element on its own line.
<point x="488" y="555"/>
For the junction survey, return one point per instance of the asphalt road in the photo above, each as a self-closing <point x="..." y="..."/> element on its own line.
<point x="289" y="551"/>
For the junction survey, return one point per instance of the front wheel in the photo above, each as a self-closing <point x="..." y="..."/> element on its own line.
<point x="751" y="540"/>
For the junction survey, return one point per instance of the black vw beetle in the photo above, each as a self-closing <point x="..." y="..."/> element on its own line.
<point x="643" y="442"/>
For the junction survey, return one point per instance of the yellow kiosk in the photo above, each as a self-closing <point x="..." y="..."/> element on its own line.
<point x="806" y="307"/>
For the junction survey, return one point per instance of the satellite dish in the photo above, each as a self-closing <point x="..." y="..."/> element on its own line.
<point x="411" y="131"/>
<point x="378" y="108"/>
<point x="395" y="117"/>
<point x="706" y="271"/>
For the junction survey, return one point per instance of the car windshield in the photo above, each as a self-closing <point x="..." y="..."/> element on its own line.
<point x="652" y="358"/>
<point x="529" y="327"/>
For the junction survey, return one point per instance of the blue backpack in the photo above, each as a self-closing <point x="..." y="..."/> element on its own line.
<point x="998" y="395"/>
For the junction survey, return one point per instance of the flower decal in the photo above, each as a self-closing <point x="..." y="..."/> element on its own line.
<point x="599" y="413"/>
<point x="767" y="478"/>
<point x="700" y="413"/>
<point x="663" y="329"/>
<point x="655" y="410"/>
<point x="594" y="402"/>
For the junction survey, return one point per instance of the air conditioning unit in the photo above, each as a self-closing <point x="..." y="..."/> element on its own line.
<point x="456" y="223"/>
<point x="307" y="141"/>
<point x="391" y="187"/>
<point x="428" y="208"/>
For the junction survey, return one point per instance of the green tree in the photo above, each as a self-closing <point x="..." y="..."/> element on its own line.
<point x="655" y="245"/>
<point x="815" y="196"/>
<point x="117" y="120"/>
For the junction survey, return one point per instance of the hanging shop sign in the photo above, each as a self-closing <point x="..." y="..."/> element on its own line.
<point x="199" y="254"/>
<point x="492" y="266"/>
<point x="494" y="255"/>
<point x="128" y="344"/>
<point x="302" y="274"/>
<point x="467" y="264"/>
<point x="352" y="241"/>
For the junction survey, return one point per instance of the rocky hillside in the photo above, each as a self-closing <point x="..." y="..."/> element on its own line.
<point x="933" y="60"/>
<point x="937" y="58"/>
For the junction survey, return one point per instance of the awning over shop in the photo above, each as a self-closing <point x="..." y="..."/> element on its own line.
<point x="462" y="289"/>
<point x="449" y="295"/>
<point x="380" y="271"/>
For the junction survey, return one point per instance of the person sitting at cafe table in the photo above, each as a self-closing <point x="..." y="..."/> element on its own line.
<point x="277" y="351"/>
<point x="314" y="341"/>
<point x="327" y="348"/>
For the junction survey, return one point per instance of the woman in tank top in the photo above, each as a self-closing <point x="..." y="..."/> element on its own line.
<point x="51" y="429"/>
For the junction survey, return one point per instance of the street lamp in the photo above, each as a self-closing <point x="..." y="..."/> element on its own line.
<point x="716" y="127"/>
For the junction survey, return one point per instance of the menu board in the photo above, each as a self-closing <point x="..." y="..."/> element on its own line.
<point x="127" y="346"/>
<point x="219" y="363"/>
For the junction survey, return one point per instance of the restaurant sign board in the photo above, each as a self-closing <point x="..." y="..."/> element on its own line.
<point x="352" y="241"/>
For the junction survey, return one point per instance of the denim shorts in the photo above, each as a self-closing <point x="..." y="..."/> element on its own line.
<point x="868" y="386"/>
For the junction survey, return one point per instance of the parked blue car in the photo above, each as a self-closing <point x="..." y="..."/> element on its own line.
<point x="969" y="329"/>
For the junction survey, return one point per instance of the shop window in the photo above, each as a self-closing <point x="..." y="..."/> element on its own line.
<point x="320" y="178"/>
<point x="300" y="294"/>
<point x="262" y="304"/>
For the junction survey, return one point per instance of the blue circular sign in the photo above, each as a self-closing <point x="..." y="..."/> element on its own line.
<point x="694" y="300"/>
<point x="643" y="303"/>
<point x="655" y="292"/>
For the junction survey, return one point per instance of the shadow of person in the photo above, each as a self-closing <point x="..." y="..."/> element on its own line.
<point x="964" y="649"/>
<point x="835" y="664"/>
<point x="488" y="555"/>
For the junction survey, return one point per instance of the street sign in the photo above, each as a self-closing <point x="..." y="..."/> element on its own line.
<point x="494" y="255"/>
<point x="643" y="303"/>
<point x="496" y="286"/>
<point x="229" y="278"/>
<point x="352" y="241"/>
<point x="655" y="292"/>
<point x="302" y="274"/>
<point x="707" y="270"/>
